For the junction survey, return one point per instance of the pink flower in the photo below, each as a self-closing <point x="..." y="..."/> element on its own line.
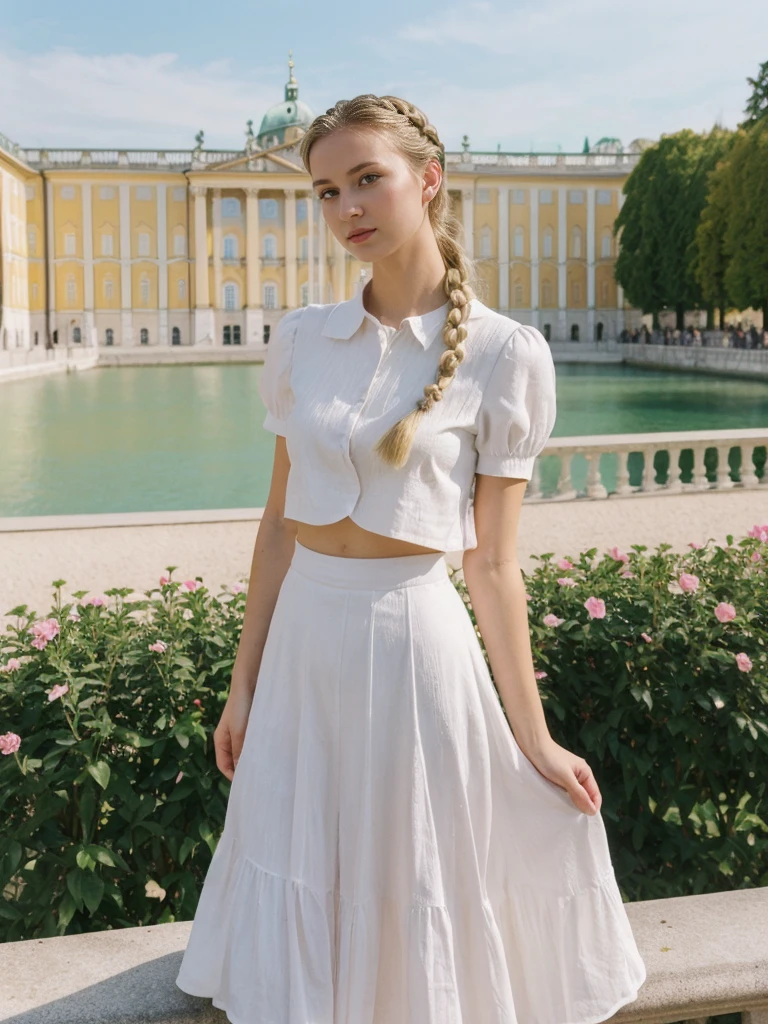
<point x="57" y="691"/>
<point x="196" y="701"/>
<point x="617" y="555"/>
<point x="693" y="544"/>
<point x="628" y="575"/>
<point x="760" y="532"/>
<point x="647" y="638"/>
<point x="191" y="584"/>
<point x="688" y="582"/>
<point x="756" y="556"/>
<point x="596" y="607"/>
<point x="567" y="581"/>
<point x="725" y="612"/>
<point x="159" y="646"/>
<point x="9" y="743"/>
<point x="74" y="615"/>
<point x="564" y="564"/>
<point x="165" y="580"/>
<point x="97" y="600"/>
<point x="44" y="631"/>
<point x="552" y="620"/>
<point x="744" y="662"/>
<point x="179" y="777"/>
<point x="11" y="665"/>
<point x="540" y="674"/>
<point x="528" y="597"/>
<point x="238" y="588"/>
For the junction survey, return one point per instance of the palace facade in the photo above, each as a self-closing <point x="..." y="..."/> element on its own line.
<point x="206" y="247"/>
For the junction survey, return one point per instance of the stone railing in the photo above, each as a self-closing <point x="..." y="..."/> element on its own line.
<point x="593" y="447"/>
<point x="705" y="955"/>
<point x="732" y="362"/>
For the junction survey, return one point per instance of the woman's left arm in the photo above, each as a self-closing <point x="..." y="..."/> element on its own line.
<point x="497" y="592"/>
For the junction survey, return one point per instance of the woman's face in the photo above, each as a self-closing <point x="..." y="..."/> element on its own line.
<point x="365" y="185"/>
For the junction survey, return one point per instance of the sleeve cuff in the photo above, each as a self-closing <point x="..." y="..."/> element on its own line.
<point x="273" y="424"/>
<point x="505" y="465"/>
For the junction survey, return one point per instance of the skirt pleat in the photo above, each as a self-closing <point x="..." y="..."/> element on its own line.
<point x="389" y="854"/>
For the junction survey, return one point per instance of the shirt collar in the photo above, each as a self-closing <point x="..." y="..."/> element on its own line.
<point x="346" y="317"/>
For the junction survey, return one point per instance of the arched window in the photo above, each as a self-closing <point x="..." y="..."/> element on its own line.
<point x="270" y="247"/>
<point x="230" y="207"/>
<point x="546" y="293"/>
<point x="268" y="209"/>
<point x="574" y="332"/>
<point x="109" y="336"/>
<point x="31" y="239"/>
<point x="576" y="243"/>
<point x="485" y="242"/>
<point x="519" y="242"/>
<point x="230" y="295"/>
<point x="108" y="288"/>
<point x="518" y="293"/>
<point x="144" y="336"/>
<point x="107" y="243"/>
<point x="76" y="335"/>
<point x="175" y="336"/>
<point x="270" y="295"/>
<point x="179" y="243"/>
<point x="230" y="247"/>
<point x="181" y="288"/>
<point x="304" y="248"/>
<point x="144" y="290"/>
<point x="605" y="245"/>
<point x="301" y="210"/>
<point x="71" y="290"/>
<point x="575" y="292"/>
<point x="304" y="292"/>
<point x="546" y="250"/>
<point x="143" y="243"/>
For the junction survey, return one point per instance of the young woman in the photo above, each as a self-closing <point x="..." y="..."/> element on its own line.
<point x="394" y="852"/>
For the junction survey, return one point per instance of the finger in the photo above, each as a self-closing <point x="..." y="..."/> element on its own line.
<point x="223" y="749"/>
<point x="586" y="784"/>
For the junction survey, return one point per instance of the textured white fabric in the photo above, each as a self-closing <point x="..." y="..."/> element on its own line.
<point x="335" y="380"/>
<point x="389" y="854"/>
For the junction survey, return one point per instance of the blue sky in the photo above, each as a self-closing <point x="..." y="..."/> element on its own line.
<point x="527" y="74"/>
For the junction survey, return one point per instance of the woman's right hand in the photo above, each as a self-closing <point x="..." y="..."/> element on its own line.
<point x="229" y="734"/>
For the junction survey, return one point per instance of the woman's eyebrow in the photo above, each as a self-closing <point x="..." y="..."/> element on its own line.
<point x="352" y="170"/>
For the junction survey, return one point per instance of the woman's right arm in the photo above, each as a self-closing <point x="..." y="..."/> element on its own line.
<point x="272" y="553"/>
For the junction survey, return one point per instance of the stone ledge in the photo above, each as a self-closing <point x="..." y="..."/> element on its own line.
<point x="705" y="955"/>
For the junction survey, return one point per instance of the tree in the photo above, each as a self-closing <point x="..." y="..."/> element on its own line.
<point x="665" y="196"/>
<point x="757" y="104"/>
<point x="710" y="260"/>
<point x="746" y="236"/>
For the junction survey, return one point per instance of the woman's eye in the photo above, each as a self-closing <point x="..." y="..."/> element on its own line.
<point x="370" y="175"/>
<point x="324" y="193"/>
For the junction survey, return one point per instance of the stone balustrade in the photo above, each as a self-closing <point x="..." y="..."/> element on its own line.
<point x="621" y="446"/>
<point x="705" y="955"/>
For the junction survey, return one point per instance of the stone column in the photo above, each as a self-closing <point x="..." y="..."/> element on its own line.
<point x="203" y="311"/>
<point x="620" y="320"/>
<point x="591" y="263"/>
<point x="89" y="329"/>
<point x="291" y="297"/>
<point x="468" y="217"/>
<point x="534" y="257"/>
<point x="254" y="313"/>
<point x="50" y="266"/>
<point x="562" y="255"/>
<point x="126" y="299"/>
<point x="217" y="301"/>
<point x="503" y="247"/>
<point x="162" y="266"/>
<point x="310" y="199"/>
<point x="322" y="262"/>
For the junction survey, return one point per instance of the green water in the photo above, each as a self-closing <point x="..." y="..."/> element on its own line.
<point x="129" y="439"/>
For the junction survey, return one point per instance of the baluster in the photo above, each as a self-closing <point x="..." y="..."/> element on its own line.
<point x="623" y="485"/>
<point x="700" y="481"/>
<point x="649" y="471"/>
<point x="674" y="483"/>
<point x="724" y="482"/>
<point x="595" y="487"/>
<point x="747" y="473"/>
<point x="565" y="488"/>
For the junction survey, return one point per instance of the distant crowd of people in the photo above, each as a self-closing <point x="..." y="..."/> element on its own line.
<point x="734" y="336"/>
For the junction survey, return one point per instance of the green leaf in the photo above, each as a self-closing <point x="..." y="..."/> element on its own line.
<point x="100" y="771"/>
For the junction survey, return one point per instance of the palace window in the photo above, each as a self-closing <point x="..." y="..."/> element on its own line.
<point x="179" y="194"/>
<point x="270" y="247"/>
<point x="518" y="242"/>
<point x="546" y="293"/>
<point x="76" y="335"/>
<point x="67" y="192"/>
<point x="230" y="247"/>
<point x="70" y="289"/>
<point x="144" y="290"/>
<point x="109" y="336"/>
<point x="230" y="207"/>
<point x="605" y="245"/>
<point x="230" y="296"/>
<point x="576" y="243"/>
<point x="575" y="292"/>
<point x="603" y="196"/>
<point x="485" y="242"/>
<point x="108" y="288"/>
<point x="270" y="295"/>
<point x="545" y="196"/>
<point x="106" y="192"/>
<point x="144" y="336"/>
<point x="301" y="210"/>
<point x="483" y="196"/>
<point x="143" y="192"/>
<point x="546" y="249"/>
<point x="518" y="196"/>
<point x="518" y="294"/>
<point x="31" y="239"/>
<point x="70" y="244"/>
<point x="181" y="288"/>
<point x="231" y="334"/>
<point x="107" y="244"/>
<point x="143" y="243"/>
<point x="179" y="244"/>
<point x="304" y="294"/>
<point x="304" y="248"/>
<point x="268" y="209"/>
<point x="575" y="196"/>
<point x="30" y="192"/>
<point x="175" y="336"/>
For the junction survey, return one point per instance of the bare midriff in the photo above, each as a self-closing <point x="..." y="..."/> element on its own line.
<point x="347" y="539"/>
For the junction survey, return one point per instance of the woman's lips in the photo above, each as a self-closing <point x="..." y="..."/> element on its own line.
<point x="362" y="237"/>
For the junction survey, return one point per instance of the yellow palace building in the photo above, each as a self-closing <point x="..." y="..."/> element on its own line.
<point x="205" y="247"/>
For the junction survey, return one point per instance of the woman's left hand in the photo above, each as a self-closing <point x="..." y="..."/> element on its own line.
<point x="569" y="771"/>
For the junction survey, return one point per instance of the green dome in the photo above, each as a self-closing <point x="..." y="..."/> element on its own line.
<point x="291" y="113"/>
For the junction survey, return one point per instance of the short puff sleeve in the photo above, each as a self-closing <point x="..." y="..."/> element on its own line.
<point x="518" y="408"/>
<point x="275" y="382"/>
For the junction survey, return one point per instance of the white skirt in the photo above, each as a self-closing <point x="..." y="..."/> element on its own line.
<point x="389" y="855"/>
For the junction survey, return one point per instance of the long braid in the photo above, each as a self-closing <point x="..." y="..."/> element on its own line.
<point x="392" y="113"/>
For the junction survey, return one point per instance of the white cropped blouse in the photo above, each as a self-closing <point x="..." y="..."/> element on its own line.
<point x="335" y="379"/>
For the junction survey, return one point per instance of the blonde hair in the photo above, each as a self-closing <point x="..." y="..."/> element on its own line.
<point x="418" y="142"/>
